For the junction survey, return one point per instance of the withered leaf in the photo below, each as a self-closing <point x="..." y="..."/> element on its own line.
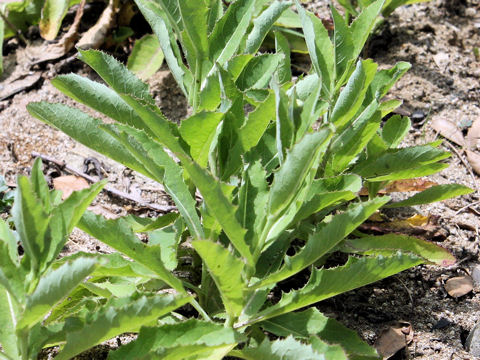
<point x="448" y="130"/>
<point x="459" y="286"/>
<point x="395" y="338"/>
<point x="473" y="136"/>
<point x="474" y="160"/>
<point x="68" y="184"/>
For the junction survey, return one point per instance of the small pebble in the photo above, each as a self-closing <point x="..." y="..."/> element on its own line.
<point x="417" y="115"/>
<point x="442" y="323"/>
<point x="473" y="341"/>
<point x="476" y="275"/>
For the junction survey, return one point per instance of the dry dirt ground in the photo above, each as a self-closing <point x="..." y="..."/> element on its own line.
<point x="438" y="38"/>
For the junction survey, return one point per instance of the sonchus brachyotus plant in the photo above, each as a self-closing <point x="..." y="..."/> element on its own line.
<point x="278" y="162"/>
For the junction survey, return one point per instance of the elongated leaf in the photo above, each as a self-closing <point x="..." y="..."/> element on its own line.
<point x="303" y="324"/>
<point x="119" y="235"/>
<point x="344" y="46"/>
<point x="229" y="31"/>
<point x="153" y="13"/>
<point x="320" y="48"/>
<point x="8" y="318"/>
<point x="263" y="23"/>
<point x="198" y="131"/>
<point x="415" y="172"/>
<point x="194" y="19"/>
<point x="286" y="349"/>
<point x="433" y="194"/>
<point x="363" y="24"/>
<point x="395" y="129"/>
<point x="84" y="129"/>
<point x="325" y="283"/>
<point x="179" y="341"/>
<point x="285" y="68"/>
<point x="258" y="72"/>
<point x="54" y="287"/>
<point x="291" y="175"/>
<point x="384" y="80"/>
<point x="40" y="186"/>
<point x="53" y="13"/>
<point x="226" y="270"/>
<point x="2" y="33"/>
<point x="146" y="57"/>
<point x="326" y="237"/>
<point x="12" y="276"/>
<point x="391" y="243"/>
<point x="114" y="320"/>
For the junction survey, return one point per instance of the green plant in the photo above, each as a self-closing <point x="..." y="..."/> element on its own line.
<point x="6" y="195"/>
<point x="354" y="7"/>
<point x="270" y="184"/>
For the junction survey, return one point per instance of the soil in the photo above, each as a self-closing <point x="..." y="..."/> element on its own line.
<point x="438" y="38"/>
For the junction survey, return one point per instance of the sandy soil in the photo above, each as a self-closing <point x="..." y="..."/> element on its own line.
<point x="438" y="38"/>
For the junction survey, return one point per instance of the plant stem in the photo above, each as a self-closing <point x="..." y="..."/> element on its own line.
<point x="200" y="310"/>
<point x="14" y="28"/>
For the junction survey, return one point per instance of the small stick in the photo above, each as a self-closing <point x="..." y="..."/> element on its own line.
<point x="111" y="190"/>
<point x="469" y="168"/>
<point x="469" y="206"/>
<point x="14" y="28"/>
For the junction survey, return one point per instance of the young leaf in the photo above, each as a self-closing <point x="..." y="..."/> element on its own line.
<point x="146" y="57"/>
<point x="112" y="320"/>
<point x="54" y="287"/>
<point x="53" y="13"/>
<point x="258" y="72"/>
<point x="119" y="235"/>
<point x="179" y="341"/>
<point x="303" y="324"/>
<point x="363" y="25"/>
<point x="263" y="23"/>
<point x="344" y="46"/>
<point x="327" y="235"/>
<point x="9" y="314"/>
<point x="391" y="243"/>
<point x="226" y="270"/>
<point x="285" y="68"/>
<point x="194" y="19"/>
<point x="325" y="283"/>
<point x="40" y="186"/>
<point x="395" y="129"/>
<point x="433" y="194"/>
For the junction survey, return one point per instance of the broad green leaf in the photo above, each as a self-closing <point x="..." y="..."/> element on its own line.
<point x="348" y="144"/>
<point x="309" y="322"/>
<point x="85" y="130"/>
<point x="194" y="19"/>
<point x="433" y="194"/>
<point x="146" y="57"/>
<point x="168" y="239"/>
<point x="327" y="235"/>
<point x="289" y="19"/>
<point x="52" y="288"/>
<point x="363" y="25"/>
<point x="119" y="235"/>
<point x="344" y="47"/>
<point x="179" y="341"/>
<point x="298" y="164"/>
<point x="116" y="74"/>
<point x="384" y="80"/>
<point x="284" y="122"/>
<point x="12" y="277"/>
<point x="326" y="283"/>
<point x="395" y="129"/>
<point x="229" y="31"/>
<point x="153" y="13"/>
<point x="31" y="222"/>
<point x="40" y="186"/>
<point x="418" y="171"/>
<point x="114" y="320"/>
<point x="227" y="271"/>
<point x="198" y="131"/>
<point x="320" y="48"/>
<point x="285" y="67"/>
<point x="394" y="161"/>
<point x="258" y="72"/>
<point x="353" y="94"/>
<point x="391" y="243"/>
<point x="348" y="182"/>
<point x="9" y="316"/>
<point x="263" y="23"/>
<point x="144" y="224"/>
<point x="286" y="349"/>
<point x="215" y="12"/>
<point x="331" y="352"/>
<point x="53" y="13"/>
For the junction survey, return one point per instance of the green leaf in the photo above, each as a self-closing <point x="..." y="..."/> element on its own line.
<point x="229" y="31"/>
<point x="84" y="129"/>
<point x="285" y="68"/>
<point x="52" y="288"/>
<point x="286" y="349"/>
<point x="309" y="322"/>
<point x="112" y="320"/>
<point x="227" y="272"/>
<point x="9" y="314"/>
<point x="258" y="72"/>
<point x="298" y="164"/>
<point x="179" y="341"/>
<point x="344" y="47"/>
<point x="40" y="186"/>
<point x="12" y="276"/>
<point x="119" y="235"/>
<point x="389" y="244"/>
<point x="395" y="129"/>
<point x="194" y="19"/>
<point x="320" y="48"/>
<point x="326" y="283"/>
<point x="433" y="194"/>
<point x="53" y="13"/>
<point x="327" y="235"/>
<point x="384" y="80"/>
<point x="198" y="131"/>
<point x="168" y="240"/>
<point x="2" y="33"/>
<point x="363" y="25"/>
<point x="146" y="57"/>
<point x="263" y="23"/>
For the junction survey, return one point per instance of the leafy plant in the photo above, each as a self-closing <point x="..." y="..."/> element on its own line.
<point x="354" y="7"/>
<point x="6" y="195"/>
<point x="279" y="165"/>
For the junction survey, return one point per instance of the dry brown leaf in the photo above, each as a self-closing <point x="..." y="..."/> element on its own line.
<point x="394" y="339"/>
<point x="448" y="130"/>
<point x="459" y="286"/>
<point x="474" y="160"/>
<point x="473" y="136"/>
<point x="68" y="184"/>
<point x="18" y="85"/>
<point x="442" y="60"/>
<point x="419" y="184"/>
<point x="39" y="54"/>
<point x="94" y="37"/>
